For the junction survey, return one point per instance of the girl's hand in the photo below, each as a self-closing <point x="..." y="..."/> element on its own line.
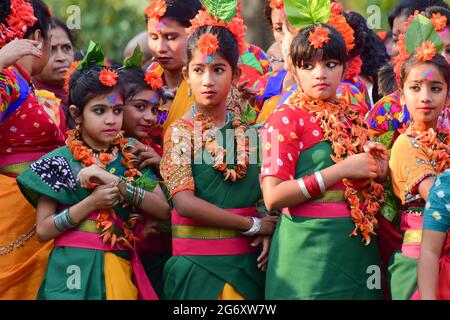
<point x="148" y="157"/>
<point x="268" y="225"/>
<point x="105" y="197"/>
<point x="380" y="154"/>
<point x="16" y="50"/>
<point x="359" y="166"/>
<point x="94" y="174"/>
<point x="150" y="228"/>
<point x="263" y="258"/>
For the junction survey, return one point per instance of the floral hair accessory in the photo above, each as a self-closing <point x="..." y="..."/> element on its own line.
<point x="439" y="22"/>
<point x="208" y="44"/>
<point x="21" y="17"/>
<point x="156" y="10"/>
<point x="154" y="80"/>
<point x="426" y="52"/>
<point x="108" y="77"/>
<point x="69" y="73"/>
<point x="276" y="4"/>
<point x="319" y="37"/>
<point x="336" y="8"/>
<point x="221" y="13"/>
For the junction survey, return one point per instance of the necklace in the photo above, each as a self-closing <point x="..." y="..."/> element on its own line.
<point x="347" y="133"/>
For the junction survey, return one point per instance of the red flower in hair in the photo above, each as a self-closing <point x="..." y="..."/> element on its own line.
<point x="318" y="37"/>
<point x="69" y="73"/>
<point x="20" y="18"/>
<point x="426" y="52"/>
<point x="439" y="21"/>
<point x="336" y="8"/>
<point x="340" y="24"/>
<point x="108" y="77"/>
<point x="276" y="4"/>
<point x="208" y="44"/>
<point x="156" y="10"/>
<point x="154" y="80"/>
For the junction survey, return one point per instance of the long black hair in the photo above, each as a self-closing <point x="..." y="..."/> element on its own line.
<point x="132" y="81"/>
<point x="405" y="8"/>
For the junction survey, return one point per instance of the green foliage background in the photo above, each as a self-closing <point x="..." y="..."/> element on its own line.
<point x="113" y="23"/>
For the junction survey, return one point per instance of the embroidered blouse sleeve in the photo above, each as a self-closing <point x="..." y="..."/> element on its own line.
<point x="281" y="143"/>
<point x="409" y="167"/>
<point x="176" y="167"/>
<point x="437" y="209"/>
<point x="9" y="90"/>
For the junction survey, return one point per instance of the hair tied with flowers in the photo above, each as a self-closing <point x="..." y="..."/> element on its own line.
<point x="439" y="21"/>
<point x="156" y="10"/>
<point x="20" y="18"/>
<point x="154" y="80"/>
<point x="319" y="37"/>
<point x="208" y="44"/>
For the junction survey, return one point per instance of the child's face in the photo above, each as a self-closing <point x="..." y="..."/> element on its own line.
<point x="102" y="119"/>
<point x="210" y="80"/>
<point x="320" y="79"/>
<point x="425" y="94"/>
<point x="167" y="41"/>
<point x="140" y="114"/>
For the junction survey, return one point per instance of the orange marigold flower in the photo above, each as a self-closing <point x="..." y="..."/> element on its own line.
<point x="439" y="21"/>
<point x="208" y="44"/>
<point x="318" y="37"/>
<point x="156" y="10"/>
<point x="108" y="77"/>
<point x="336" y="8"/>
<point x="426" y="52"/>
<point x="341" y="25"/>
<point x="69" y="73"/>
<point x="154" y="80"/>
<point x="276" y="4"/>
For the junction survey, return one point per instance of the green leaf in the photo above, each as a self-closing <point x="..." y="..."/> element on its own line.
<point x="224" y="10"/>
<point x="94" y="57"/>
<point x="390" y="206"/>
<point x="304" y="13"/>
<point x="421" y="29"/>
<point x="145" y="182"/>
<point x="248" y="115"/>
<point x="135" y="61"/>
<point x="386" y="139"/>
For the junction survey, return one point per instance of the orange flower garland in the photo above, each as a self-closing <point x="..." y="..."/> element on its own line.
<point x="208" y="44"/>
<point x="86" y="156"/>
<point x="69" y="73"/>
<point x="319" y="37"/>
<point x="346" y="142"/>
<point x="353" y="67"/>
<point x="108" y="77"/>
<point x="439" y="22"/>
<point x="341" y="25"/>
<point x="426" y="51"/>
<point x="154" y="80"/>
<point x="156" y="10"/>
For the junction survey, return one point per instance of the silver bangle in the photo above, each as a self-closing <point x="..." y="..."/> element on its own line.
<point x="255" y="227"/>
<point x="302" y="186"/>
<point x="63" y="221"/>
<point x="320" y="181"/>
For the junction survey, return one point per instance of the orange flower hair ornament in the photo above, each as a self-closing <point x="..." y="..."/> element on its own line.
<point x="208" y="44"/>
<point x="69" y="73"/>
<point x="156" y="10"/>
<point x="319" y="37"/>
<point x="21" y="17"/>
<point x="108" y="77"/>
<point x="154" y="80"/>
<point x="439" y="22"/>
<point x="276" y="4"/>
<point x="426" y="52"/>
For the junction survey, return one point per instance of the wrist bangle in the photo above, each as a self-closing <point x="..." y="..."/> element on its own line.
<point x="255" y="227"/>
<point x="63" y="221"/>
<point x="303" y="189"/>
<point x="320" y="181"/>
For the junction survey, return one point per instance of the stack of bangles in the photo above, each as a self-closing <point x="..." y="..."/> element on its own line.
<point x="312" y="185"/>
<point x="134" y="195"/>
<point x="63" y="221"/>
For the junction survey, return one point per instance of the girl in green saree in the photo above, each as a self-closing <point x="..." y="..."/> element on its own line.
<point x="89" y="196"/>
<point x="214" y="219"/>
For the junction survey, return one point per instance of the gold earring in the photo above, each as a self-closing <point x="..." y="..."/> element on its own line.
<point x="189" y="92"/>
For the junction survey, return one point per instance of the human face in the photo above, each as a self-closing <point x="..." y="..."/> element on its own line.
<point x="140" y="114"/>
<point x="288" y="37"/>
<point x="101" y="120"/>
<point x="38" y="64"/>
<point x="445" y="36"/>
<point x="277" y="24"/>
<point x="425" y="94"/>
<point x="61" y="57"/>
<point x="320" y="79"/>
<point x="167" y="41"/>
<point x="398" y="28"/>
<point x="210" y="81"/>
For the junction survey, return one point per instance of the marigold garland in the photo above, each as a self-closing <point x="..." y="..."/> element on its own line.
<point x="106" y="217"/>
<point x="156" y="10"/>
<point x="348" y="34"/>
<point x="21" y="17"/>
<point x="69" y="73"/>
<point x="154" y="80"/>
<point x="108" y="77"/>
<point x="347" y="139"/>
<point x="353" y="67"/>
<point x="208" y="44"/>
<point x="319" y="37"/>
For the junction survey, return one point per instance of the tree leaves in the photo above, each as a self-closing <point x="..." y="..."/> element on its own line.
<point x="303" y="13"/>
<point x="224" y="10"/>
<point x="421" y="29"/>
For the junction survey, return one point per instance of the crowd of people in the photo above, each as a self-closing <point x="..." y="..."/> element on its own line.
<point x="202" y="167"/>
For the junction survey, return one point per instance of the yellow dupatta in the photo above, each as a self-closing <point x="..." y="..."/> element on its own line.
<point x="181" y="103"/>
<point x="268" y="107"/>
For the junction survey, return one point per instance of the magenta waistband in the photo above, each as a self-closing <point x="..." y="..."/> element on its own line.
<point x="212" y="247"/>
<point x="410" y="221"/>
<point x="93" y="241"/>
<point x="322" y="210"/>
